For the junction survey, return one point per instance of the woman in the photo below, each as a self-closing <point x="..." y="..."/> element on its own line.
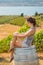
<point x="29" y="36"/>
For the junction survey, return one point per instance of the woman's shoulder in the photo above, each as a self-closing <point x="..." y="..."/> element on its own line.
<point x="32" y="30"/>
<point x="33" y="27"/>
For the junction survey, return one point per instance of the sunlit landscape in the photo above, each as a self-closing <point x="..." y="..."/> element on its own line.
<point x="13" y="19"/>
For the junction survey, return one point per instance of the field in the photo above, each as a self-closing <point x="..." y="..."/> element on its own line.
<point x="6" y="29"/>
<point x="9" y="28"/>
<point x="11" y="24"/>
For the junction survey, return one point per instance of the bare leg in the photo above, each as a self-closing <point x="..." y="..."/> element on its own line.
<point x="14" y="43"/>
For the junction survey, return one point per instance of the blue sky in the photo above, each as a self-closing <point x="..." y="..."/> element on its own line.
<point x="21" y="2"/>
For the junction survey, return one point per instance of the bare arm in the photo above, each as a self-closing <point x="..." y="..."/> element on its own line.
<point x="28" y="33"/>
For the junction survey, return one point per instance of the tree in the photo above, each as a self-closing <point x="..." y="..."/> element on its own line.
<point x="22" y="14"/>
<point x="36" y="13"/>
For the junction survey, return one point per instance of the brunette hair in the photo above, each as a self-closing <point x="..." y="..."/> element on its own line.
<point x="31" y="20"/>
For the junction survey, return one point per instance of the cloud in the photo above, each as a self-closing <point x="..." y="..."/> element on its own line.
<point x="20" y="2"/>
<point x="41" y="2"/>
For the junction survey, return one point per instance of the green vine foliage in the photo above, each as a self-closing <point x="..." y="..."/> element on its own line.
<point x="38" y="40"/>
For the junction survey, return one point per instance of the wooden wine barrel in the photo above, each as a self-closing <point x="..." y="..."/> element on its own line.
<point x="26" y="56"/>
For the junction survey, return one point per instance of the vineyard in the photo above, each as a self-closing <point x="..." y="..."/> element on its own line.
<point x="38" y="40"/>
<point x="10" y="24"/>
<point x="15" y="20"/>
<point x="18" y="20"/>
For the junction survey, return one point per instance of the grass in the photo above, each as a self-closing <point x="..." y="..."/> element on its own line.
<point x="15" y="20"/>
<point x="18" y="20"/>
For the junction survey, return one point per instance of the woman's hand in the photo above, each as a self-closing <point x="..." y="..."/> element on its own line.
<point x="16" y="34"/>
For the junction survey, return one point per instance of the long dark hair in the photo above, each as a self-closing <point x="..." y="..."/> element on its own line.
<point x="31" y="20"/>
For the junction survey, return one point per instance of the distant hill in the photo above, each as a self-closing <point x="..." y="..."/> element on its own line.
<point x="21" y="2"/>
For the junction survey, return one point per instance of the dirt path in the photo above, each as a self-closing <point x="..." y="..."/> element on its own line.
<point x="6" y="29"/>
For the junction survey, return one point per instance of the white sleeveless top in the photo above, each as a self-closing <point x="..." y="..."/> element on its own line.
<point x="28" y="40"/>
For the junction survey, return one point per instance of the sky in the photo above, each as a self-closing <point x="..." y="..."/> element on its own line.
<point x="27" y="10"/>
<point x="21" y="2"/>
